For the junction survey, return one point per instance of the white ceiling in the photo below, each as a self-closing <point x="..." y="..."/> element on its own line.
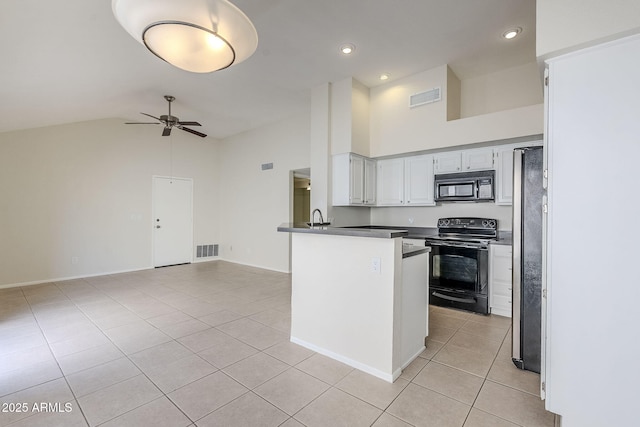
<point x="71" y="61"/>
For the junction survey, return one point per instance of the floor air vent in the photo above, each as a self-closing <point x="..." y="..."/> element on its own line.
<point x="203" y="251"/>
<point x="426" y="97"/>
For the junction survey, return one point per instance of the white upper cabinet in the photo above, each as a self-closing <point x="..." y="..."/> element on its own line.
<point x="478" y="159"/>
<point x="448" y="162"/>
<point x="504" y="175"/>
<point x="418" y="172"/>
<point x="369" y="181"/>
<point x="353" y="180"/>
<point x="390" y="186"/>
<point x="504" y="171"/>
<point x="406" y="181"/>
<point x="464" y="161"/>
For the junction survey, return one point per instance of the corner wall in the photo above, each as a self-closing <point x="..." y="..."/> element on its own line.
<point x="83" y="191"/>
<point x="255" y="202"/>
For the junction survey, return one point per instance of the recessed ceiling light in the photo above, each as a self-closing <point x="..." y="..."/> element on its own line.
<point x="384" y="76"/>
<point x="347" y="49"/>
<point x="511" y="33"/>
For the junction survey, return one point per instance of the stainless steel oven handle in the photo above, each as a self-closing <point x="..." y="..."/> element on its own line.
<point x="482" y="248"/>
<point x="456" y="299"/>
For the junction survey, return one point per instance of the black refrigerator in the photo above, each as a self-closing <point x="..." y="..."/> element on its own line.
<point x="528" y="192"/>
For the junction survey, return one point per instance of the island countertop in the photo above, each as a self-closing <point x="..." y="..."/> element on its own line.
<point x="381" y="233"/>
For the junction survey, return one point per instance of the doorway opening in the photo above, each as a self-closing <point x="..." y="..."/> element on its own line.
<point x="301" y="200"/>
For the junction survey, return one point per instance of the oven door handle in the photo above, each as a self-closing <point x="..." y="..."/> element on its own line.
<point x="455" y="245"/>
<point x="456" y="299"/>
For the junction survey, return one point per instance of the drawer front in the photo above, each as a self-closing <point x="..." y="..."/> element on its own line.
<point x="502" y="289"/>
<point x="501" y="301"/>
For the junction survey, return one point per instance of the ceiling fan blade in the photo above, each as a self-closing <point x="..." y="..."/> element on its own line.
<point x="166" y="131"/>
<point x="153" y="117"/>
<point x="141" y="123"/>
<point x="195" y="132"/>
<point x="189" y="123"/>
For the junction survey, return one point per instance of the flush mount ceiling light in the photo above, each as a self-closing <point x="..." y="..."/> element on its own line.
<point x="347" y="49"/>
<point x="511" y="33"/>
<point x="200" y="36"/>
<point x="384" y="76"/>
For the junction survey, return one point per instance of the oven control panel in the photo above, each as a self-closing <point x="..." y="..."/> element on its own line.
<point x="473" y="223"/>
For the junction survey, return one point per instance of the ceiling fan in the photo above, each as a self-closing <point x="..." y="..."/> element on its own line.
<point x="170" y="121"/>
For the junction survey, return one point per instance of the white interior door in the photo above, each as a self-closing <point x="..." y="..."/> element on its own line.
<point x="172" y="221"/>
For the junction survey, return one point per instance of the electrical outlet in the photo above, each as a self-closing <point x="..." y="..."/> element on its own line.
<point x="410" y="220"/>
<point x="375" y="265"/>
<point x="74" y="260"/>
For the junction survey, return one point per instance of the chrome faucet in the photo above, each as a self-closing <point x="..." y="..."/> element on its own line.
<point x="313" y="214"/>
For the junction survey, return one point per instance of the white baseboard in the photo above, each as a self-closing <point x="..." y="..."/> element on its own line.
<point x="60" y="279"/>
<point x="412" y="358"/>
<point x="388" y="377"/>
<point x="256" y="266"/>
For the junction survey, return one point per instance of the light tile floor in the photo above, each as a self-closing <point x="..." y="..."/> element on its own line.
<point x="207" y="344"/>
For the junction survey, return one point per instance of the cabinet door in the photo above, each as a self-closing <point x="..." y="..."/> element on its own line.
<point x="341" y="179"/>
<point x="369" y="181"/>
<point x="356" y="180"/>
<point x="418" y="175"/>
<point x="500" y="279"/>
<point x="448" y="162"/>
<point x="390" y="179"/>
<point x="480" y="159"/>
<point x="504" y="175"/>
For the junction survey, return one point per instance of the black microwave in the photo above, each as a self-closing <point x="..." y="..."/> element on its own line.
<point x="465" y="186"/>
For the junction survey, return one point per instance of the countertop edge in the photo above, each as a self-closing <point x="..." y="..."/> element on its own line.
<point x="381" y="233"/>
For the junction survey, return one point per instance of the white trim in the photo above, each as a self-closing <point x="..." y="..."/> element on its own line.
<point x="60" y="279"/>
<point x="355" y="364"/>
<point x="412" y="358"/>
<point x="256" y="266"/>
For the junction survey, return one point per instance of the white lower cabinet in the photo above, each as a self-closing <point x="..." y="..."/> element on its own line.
<point x="500" y="279"/>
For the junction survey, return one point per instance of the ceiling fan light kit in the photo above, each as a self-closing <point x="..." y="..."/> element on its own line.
<point x="200" y="36"/>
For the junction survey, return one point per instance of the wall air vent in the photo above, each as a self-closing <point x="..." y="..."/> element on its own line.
<point x="423" y="98"/>
<point x="266" y="166"/>
<point x="204" y="251"/>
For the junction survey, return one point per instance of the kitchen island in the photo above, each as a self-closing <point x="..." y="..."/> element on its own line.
<point x="357" y="298"/>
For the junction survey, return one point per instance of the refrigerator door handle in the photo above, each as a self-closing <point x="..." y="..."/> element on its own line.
<point x="517" y="255"/>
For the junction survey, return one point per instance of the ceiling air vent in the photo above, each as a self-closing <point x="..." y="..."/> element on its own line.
<point x="426" y="97"/>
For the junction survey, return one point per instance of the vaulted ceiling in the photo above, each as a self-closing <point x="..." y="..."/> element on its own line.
<point x="71" y="61"/>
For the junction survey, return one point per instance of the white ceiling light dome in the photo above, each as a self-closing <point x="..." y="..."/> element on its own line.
<point x="200" y="36"/>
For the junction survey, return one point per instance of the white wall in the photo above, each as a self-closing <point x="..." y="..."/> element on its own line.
<point x="349" y="117"/>
<point x="397" y="129"/>
<point x="84" y="190"/>
<point x="503" y="90"/>
<point x="592" y="315"/>
<point x="255" y="202"/>
<point x="562" y="25"/>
